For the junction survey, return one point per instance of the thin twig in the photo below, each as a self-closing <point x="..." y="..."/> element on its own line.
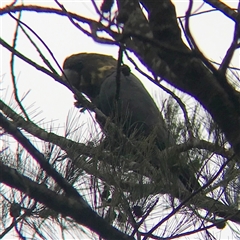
<point x="118" y="75"/>
<point x="144" y="217"/>
<point x="234" y="45"/>
<point x="12" y="70"/>
<point x="192" y="41"/>
<point x="175" y="210"/>
<point x="44" y="44"/>
<point x="31" y="62"/>
<point x="79" y="211"/>
<point x="93" y="26"/>
<point x="16" y="133"/>
<point x="23" y="216"/>
<point x="96" y="8"/>
<point x="222" y="7"/>
<point x="221" y="78"/>
<point x="184" y="31"/>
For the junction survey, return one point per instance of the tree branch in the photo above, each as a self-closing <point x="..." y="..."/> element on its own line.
<point x="187" y="70"/>
<point x="222" y="7"/>
<point x="75" y="149"/>
<point x="66" y="205"/>
<point x="20" y="138"/>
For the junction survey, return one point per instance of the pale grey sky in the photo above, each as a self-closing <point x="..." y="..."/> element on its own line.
<point x="212" y="31"/>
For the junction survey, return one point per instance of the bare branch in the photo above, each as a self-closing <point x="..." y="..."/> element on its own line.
<point x="12" y="129"/>
<point x="221" y="6"/>
<point x="12" y="70"/>
<point x="66" y="205"/>
<point x="21" y="23"/>
<point x="234" y="45"/>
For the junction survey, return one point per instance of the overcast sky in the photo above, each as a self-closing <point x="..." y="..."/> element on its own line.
<point x="212" y="31"/>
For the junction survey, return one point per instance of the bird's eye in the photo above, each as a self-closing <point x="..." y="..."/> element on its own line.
<point x="76" y="66"/>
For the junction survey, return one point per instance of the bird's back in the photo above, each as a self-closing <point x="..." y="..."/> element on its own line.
<point x="135" y="108"/>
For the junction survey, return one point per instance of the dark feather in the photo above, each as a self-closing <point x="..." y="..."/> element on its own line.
<point x="135" y="111"/>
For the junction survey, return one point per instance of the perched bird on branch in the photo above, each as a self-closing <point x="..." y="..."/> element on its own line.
<point x="122" y="97"/>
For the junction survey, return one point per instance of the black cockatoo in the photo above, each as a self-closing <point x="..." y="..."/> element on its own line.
<point x="95" y="76"/>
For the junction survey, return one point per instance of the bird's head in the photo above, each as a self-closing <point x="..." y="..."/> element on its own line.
<point x="87" y="71"/>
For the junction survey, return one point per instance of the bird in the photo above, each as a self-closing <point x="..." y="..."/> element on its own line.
<point x="134" y="110"/>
